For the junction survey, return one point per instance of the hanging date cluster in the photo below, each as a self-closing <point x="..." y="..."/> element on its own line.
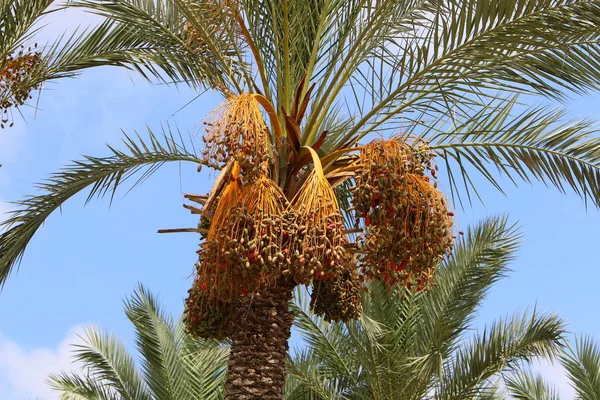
<point x="15" y="86"/>
<point x="407" y="222"/>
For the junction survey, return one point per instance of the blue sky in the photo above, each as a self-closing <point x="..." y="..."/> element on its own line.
<point x="85" y="261"/>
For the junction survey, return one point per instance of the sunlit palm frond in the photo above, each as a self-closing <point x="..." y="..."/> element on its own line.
<point x="75" y="387"/>
<point x="520" y="337"/>
<point x="17" y="20"/>
<point x="306" y="380"/>
<point x="582" y="364"/>
<point x="143" y="35"/>
<point x="159" y="347"/>
<point x="412" y="346"/>
<point x="479" y="260"/>
<point x="328" y="344"/>
<point x="174" y="364"/>
<point x="206" y="362"/>
<point x="532" y="144"/>
<point x="523" y="384"/>
<point x="109" y="362"/>
<point x="101" y="175"/>
<point x="467" y="49"/>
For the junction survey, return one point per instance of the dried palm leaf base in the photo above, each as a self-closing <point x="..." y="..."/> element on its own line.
<point x="337" y="299"/>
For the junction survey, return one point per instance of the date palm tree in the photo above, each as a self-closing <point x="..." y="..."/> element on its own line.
<point x="174" y="365"/>
<point x="305" y="194"/>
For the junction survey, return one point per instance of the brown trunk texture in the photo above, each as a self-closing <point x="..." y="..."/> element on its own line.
<point x="259" y="346"/>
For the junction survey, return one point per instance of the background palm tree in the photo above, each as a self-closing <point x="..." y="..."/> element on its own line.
<point x="330" y="74"/>
<point x="174" y="365"/>
<point x="423" y="346"/>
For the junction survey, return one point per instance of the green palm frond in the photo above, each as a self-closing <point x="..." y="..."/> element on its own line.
<point x="101" y="175"/>
<point x="583" y="367"/>
<point x="75" y="387"/>
<point x="499" y="349"/>
<point x="479" y="260"/>
<point x="533" y="144"/>
<point x="144" y="35"/>
<point x="326" y="340"/>
<point x="109" y="361"/>
<point x="174" y="365"/>
<point x="473" y="48"/>
<point x="159" y="347"/>
<point x="525" y="385"/>
<point x="411" y="346"/>
<point x="17" y="20"/>
<point x="206" y="362"/>
<point x="306" y="380"/>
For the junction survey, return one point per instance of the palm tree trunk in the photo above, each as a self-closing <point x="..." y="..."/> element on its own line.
<point x="259" y="346"/>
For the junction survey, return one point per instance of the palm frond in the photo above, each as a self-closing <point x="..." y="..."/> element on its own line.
<point x="322" y="336"/>
<point x="478" y="261"/>
<point x="499" y="349"/>
<point x="206" y="362"/>
<point x="463" y="50"/>
<point x="326" y="370"/>
<point x="175" y="365"/>
<point x="583" y="367"/>
<point x="17" y="19"/>
<point x="145" y="36"/>
<point x="159" y="347"/>
<point x="533" y="144"/>
<point x="109" y="361"/>
<point x="525" y="385"/>
<point x="101" y="175"/>
<point x="75" y="387"/>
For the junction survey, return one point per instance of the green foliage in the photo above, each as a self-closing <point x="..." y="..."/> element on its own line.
<point x="173" y="364"/>
<point x="101" y="175"/>
<point x="17" y="20"/>
<point x="525" y="385"/>
<point x="416" y="346"/>
<point x="583" y="367"/>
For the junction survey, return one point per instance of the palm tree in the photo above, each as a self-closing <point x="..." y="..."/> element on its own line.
<point x="307" y="84"/>
<point x="174" y="365"/>
<point x="422" y="345"/>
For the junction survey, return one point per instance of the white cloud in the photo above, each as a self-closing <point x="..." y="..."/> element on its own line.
<point x="556" y="375"/>
<point x="23" y="372"/>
